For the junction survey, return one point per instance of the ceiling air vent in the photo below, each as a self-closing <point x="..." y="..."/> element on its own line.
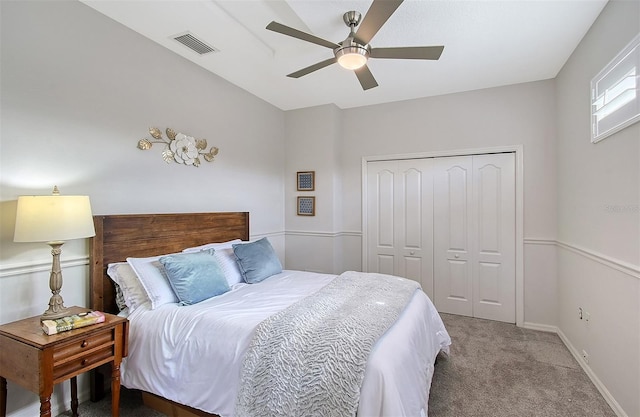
<point x="195" y="44"/>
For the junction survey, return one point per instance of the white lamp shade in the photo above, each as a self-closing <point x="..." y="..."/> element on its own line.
<point x="53" y="218"/>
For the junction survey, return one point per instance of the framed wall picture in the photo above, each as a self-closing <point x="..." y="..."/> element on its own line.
<point x="306" y="180"/>
<point x="306" y="206"/>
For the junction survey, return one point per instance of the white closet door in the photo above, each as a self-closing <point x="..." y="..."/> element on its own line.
<point x="474" y="236"/>
<point x="494" y="237"/>
<point x="381" y="213"/>
<point x="448" y="223"/>
<point x="452" y="220"/>
<point x="414" y="233"/>
<point x="400" y="213"/>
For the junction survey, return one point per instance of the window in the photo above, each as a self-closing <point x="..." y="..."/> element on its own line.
<point x="615" y="93"/>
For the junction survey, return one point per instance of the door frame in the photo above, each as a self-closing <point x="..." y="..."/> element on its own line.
<point x="519" y="169"/>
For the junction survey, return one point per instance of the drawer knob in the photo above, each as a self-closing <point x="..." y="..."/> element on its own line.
<point x="84" y="344"/>
<point x="84" y="362"/>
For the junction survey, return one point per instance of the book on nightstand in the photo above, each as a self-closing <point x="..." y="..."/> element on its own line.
<point x="72" y="322"/>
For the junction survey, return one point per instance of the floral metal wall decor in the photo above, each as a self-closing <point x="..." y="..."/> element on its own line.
<point x="179" y="147"/>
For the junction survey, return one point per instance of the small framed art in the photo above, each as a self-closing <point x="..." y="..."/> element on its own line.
<point x="306" y="180"/>
<point x="306" y="206"/>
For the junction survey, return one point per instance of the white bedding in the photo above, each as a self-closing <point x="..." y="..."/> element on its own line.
<point x="193" y="354"/>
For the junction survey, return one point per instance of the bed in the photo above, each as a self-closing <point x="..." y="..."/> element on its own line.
<point x="161" y="362"/>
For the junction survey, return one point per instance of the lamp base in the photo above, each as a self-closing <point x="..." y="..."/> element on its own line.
<point x="56" y="308"/>
<point x="59" y="313"/>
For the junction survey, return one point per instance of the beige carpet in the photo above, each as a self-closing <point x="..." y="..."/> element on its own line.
<point x="495" y="370"/>
<point x="500" y="370"/>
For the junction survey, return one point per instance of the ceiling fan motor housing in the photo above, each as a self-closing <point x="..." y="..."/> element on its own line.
<point x="351" y="54"/>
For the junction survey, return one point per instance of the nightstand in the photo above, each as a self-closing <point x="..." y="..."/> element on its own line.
<point x="36" y="361"/>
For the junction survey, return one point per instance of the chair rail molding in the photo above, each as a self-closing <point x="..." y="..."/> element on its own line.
<point x="21" y="268"/>
<point x="617" y="264"/>
<point x="606" y="260"/>
<point x="322" y="234"/>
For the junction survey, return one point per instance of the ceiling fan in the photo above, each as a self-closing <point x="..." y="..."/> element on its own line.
<point x="353" y="52"/>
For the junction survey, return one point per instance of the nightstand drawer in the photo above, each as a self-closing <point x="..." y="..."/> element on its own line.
<point x="81" y="345"/>
<point x="82" y="363"/>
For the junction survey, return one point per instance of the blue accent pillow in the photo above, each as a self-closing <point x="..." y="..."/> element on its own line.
<point x="195" y="277"/>
<point x="257" y="260"/>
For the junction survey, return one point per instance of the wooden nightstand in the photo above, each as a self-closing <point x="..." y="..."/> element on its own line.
<point x="37" y="362"/>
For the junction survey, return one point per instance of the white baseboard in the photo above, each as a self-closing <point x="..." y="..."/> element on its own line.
<point x="594" y="378"/>
<point x="541" y="327"/>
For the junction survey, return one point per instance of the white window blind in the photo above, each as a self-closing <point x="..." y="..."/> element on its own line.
<point x="615" y="93"/>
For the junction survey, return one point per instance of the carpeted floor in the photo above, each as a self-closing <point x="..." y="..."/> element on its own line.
<point x="495" y="370"/>
<point x="500" y="370"/>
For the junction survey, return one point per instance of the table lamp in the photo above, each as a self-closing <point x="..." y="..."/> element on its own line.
<point x="53" y="219"/>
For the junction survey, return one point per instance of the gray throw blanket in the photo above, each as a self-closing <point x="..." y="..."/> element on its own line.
<point x="309" y="359"/>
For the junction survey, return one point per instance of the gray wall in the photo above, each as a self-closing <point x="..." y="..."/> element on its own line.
<point x="78" y="92"/>
<point x="522" y="114"/>
<point x="599" y="217"/>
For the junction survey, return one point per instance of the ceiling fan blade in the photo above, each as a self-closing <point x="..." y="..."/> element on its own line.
<point x="376" y="16"/>
<point x="410" y="52"/>
<point x="366" y="78"/>
<point x="289" y="31"/>
<point x="311" y="68"/>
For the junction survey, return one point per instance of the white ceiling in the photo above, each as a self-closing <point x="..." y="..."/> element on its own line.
<point x="488" y="43"/>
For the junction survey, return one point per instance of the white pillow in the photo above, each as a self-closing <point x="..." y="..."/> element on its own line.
<point x="154" y="280"/>
<point x="134" y="293"/>
<point x="215" y="246"/>
<point x="229" y="264"/>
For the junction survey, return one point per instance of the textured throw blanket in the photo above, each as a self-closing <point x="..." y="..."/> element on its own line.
<point x="309" y="359"/>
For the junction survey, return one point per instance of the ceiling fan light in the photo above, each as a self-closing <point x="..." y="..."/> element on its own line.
<point x="352" y="57"/>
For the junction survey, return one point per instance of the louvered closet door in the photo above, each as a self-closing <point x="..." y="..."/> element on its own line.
<point x="400" y="213"/>
<point x="453" y="271"/>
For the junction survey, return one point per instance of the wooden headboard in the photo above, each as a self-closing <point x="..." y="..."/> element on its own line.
<point x="143" y="235"/>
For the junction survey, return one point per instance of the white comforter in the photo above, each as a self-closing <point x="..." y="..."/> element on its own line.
<point x="193" y="354"/>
